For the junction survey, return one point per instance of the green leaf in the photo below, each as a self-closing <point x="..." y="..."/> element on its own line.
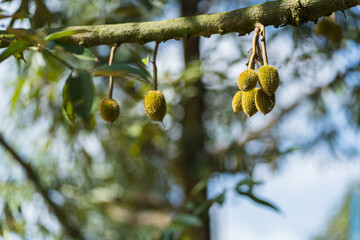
<point x="198" y="187"/>
<point x="15" y="47"/>
<point x="205" y="205"/>
<point x="220" y="199"/>
<point x="25" y="35"/>
<point x="121" y="70"/>
<point x="81" y="93"/>
<point x="63" y="33"/>
<point x="249" y="182"/>
<point x="258" y="200"/>
<point x="67" y="104"/>
<point x="187" y="220"/>
<point x="146" y="60"/>
<point x="79" y="52"/>
<point x="20" y="56"/>
<point x="16" y="95"/>
<point x="169" y="232"/>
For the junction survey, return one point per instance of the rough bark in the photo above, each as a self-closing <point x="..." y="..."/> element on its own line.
<point x="276" y="13"/>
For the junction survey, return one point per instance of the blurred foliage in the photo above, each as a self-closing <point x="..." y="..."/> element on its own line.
<point x="126" y="181"/>
<point x="338" y="226"/>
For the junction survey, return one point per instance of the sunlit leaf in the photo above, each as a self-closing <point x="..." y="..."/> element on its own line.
<point x="146" y="60"/>
<point x="81" y="93"/>
<point x="64" y="33"/>
<point x="15" y="47"/>
<point x="16" y="95"/>
<point x="20" y="56"/>
<point x="67" y="104"/>
<point x="120" y="70"/>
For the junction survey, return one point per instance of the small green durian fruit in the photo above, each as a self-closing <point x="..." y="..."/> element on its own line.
<point x="247" y="80"/>
<point x="155" y="105"/>
<point x="248" y="102"/>
<point x="263" y="102"/>
<point x="236" y="102"/>
<point x="269" y="79"/>
<point x="109" y="110"/>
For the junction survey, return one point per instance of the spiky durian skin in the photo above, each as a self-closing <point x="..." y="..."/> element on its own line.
<point x="236" y="102"/>
<point x="109" y="110"/>
<point x="263" y="102"/>
<point x="269" y="79"/>
<point x="155" y="105"/>
<point x="248" y="102"/>
<point x="247" y="80"/>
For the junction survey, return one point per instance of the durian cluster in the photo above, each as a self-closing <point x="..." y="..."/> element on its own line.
<point x="251" y="99"/>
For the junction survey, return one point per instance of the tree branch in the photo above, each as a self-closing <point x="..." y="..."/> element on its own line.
<point x="276" y="13"/>
<point x="72" y="230"/>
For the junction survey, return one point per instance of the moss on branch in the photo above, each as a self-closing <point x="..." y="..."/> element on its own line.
<point x="276" y="13"/>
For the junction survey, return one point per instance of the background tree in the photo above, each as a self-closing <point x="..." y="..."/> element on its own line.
<point x="135" y="179"/>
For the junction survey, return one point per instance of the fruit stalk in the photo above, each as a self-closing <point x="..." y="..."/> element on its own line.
<point x="263" y="44"/>
<point x="111" y="80"/>
<point x="253" y="52"/>
<point x="154" y="65"/>
<point x="259" y="57"/>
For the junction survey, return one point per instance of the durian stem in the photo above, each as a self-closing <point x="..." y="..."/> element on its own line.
<point x="154" y="65"/>
<point x="253" y="52"/>
<point x="111" y="80"/>
<point x="263" y="44"/>
<point x="258" y="54"/>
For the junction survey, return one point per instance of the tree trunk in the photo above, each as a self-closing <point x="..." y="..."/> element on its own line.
<point x="193" y="152"/>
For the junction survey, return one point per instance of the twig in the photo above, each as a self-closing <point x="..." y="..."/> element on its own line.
<point x="154" y="65"/>
<point x="32" y="176"/>
<point x="111" y="80"/>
